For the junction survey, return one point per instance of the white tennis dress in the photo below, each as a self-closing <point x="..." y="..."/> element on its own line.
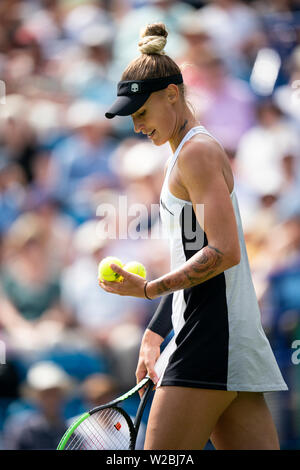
<point x="218" y="342"/>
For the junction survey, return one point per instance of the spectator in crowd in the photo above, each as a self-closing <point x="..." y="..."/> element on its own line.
<point x="81" y="162"/>
<point x="168" y="11"/>
<point x="41" y="427"/>
<point x="94" y="58"/>
<point x="223" y="103"/>
<point x="12" y="193"/>
<point x="281" y="23"/>
<point x="287" y="96"/>
<point x="98" y="389"/>
<point x="236" y="31"/>
<point x="288" y="202"/>
<point x="57" y="226"/>
<point x="31" y="314"/>
<point x="261" y="149"/>
<point x="17" y="137"/>
<point x="273" y="210"/>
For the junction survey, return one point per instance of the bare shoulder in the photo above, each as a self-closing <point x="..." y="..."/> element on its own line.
<point x="202" y="155"/>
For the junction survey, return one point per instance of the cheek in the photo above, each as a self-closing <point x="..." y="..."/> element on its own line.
<point x="168" y="122"/>
<point x="165" y="120"/>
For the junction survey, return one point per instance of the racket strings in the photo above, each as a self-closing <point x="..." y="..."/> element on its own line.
<point x="89" y="429"/>
<point x="106" y="429"/>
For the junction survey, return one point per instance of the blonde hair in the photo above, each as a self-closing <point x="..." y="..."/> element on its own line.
<point x="153" y="61"/>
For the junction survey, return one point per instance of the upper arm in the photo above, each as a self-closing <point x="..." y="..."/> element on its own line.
<point x="201" y="172"/>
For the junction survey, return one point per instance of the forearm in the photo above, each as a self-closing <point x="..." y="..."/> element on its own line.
<point x="205" y="264"/>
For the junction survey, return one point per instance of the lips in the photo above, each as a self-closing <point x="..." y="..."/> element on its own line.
<point x="151" y="133"/>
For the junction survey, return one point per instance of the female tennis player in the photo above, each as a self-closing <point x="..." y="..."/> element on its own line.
<point x="221" y="362"/>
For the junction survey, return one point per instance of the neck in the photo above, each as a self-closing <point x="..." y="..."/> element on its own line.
<point x="185" y="122"/>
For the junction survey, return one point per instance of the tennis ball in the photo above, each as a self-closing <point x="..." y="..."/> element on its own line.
<point x="135" y="267"/>
<point x="105" y="273"/>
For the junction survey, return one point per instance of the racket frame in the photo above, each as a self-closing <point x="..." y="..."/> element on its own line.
<point x="133" y="427"/>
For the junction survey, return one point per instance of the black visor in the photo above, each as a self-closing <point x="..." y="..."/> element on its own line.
<point x="132" y="94"/>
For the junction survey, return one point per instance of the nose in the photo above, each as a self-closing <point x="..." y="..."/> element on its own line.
<point x="137" y="124"/>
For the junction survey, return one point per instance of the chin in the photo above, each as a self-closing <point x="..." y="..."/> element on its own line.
<point x="158" y="143"/>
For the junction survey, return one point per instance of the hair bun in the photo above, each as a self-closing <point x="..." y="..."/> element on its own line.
<point x="153" y="39"/>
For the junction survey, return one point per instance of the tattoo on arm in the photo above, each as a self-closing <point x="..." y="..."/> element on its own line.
<point x="201" y="267"/>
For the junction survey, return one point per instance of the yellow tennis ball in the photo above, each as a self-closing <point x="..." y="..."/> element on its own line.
<point x="105" y="273"/>
<point x="135" y="267"/>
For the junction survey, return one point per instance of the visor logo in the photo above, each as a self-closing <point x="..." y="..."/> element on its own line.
<point x="134" y="87"/>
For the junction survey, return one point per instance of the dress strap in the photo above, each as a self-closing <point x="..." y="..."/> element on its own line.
<point x="188" y="135"/>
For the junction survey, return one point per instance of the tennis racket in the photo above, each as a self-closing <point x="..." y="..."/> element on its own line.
<point x="107" y="427"/>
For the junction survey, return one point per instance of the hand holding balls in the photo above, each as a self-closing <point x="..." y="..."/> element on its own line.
<point x="105" y="273"/>
<point x="135" y="267"/>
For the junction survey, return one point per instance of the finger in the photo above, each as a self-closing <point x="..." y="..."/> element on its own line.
<point x="142" y="391"/>
<point x="117" y="269"/>
<point x="105" y="286"/>
<point x="112" y="287"/>
<point x="148" y="370"/>
<point x="102" y="285"/>
<point x="140" y="375"/>
<point x="109" y="284"/>
<point x="153" y="376"/>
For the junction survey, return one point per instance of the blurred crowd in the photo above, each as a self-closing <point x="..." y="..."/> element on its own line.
<point x="74" y="184"/>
